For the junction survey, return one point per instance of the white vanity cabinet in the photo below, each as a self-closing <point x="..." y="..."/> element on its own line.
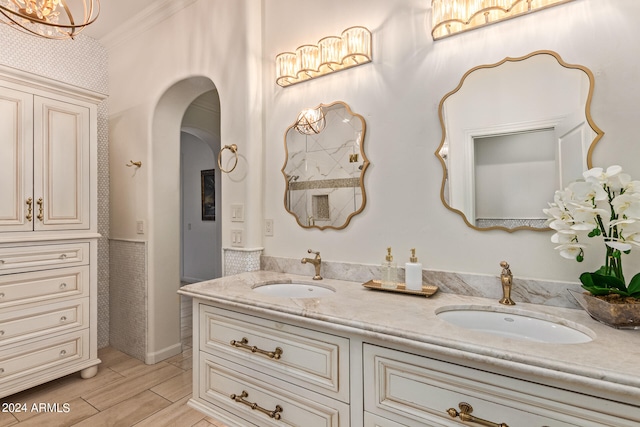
<point x="412" y="390"/>
<point x="294" y="376"/>
<point x="48" y="231"/>
<point x="333" y="362"/>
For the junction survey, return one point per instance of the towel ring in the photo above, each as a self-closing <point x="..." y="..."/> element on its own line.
<point x="234" y="149"/>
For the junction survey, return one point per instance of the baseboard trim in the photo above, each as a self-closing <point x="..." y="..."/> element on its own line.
<point x="165" y="353"/>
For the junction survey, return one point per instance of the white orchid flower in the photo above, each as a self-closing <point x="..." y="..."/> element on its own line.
<point x="617" y="244"/>
<point x="570" y="250"/>
<point x="598" y="175"/>
<point x="587" y="191"/>
<point x="632" y="187"/>
<point x="627" y="204"/>
<point x="605" y="205"/>
<point x="618" y="182"/>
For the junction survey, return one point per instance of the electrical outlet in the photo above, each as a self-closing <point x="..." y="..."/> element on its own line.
<point x="139" y="227"/>
<point x="237" y="238"/>
<point x="268" y="227"/>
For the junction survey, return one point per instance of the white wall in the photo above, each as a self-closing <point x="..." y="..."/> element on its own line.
<point x="234" y="43"/>
<point x="200" y="48"/>
<point x="398" y="94"/>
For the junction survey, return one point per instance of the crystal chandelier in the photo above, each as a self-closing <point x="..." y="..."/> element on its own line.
<point x="454" y="16"/>
<point x="52" y="19"/>
<point x="310" y="121"/>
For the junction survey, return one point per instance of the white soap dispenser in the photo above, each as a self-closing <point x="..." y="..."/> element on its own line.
<point x="389" y="270"/>
<point x="413" y="273"/>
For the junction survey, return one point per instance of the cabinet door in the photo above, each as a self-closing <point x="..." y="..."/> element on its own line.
<point x="61" y="165"/>
<point x="16" y="160"/>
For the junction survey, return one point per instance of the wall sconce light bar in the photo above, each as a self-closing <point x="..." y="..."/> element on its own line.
<point x="331" y="54"/>
<point x="455" y="16"/>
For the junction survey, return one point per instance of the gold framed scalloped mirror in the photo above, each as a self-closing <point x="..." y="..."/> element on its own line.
<point x="324" y="166"/>
<point x="513" y="132"/>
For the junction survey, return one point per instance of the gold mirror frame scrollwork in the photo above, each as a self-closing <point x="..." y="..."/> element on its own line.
<point x="599" y="133"/>
<point x="361" y="153"/>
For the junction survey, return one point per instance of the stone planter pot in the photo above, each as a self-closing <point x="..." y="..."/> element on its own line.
<point x="621" y="316"/>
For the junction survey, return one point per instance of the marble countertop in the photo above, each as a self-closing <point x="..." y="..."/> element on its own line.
<point x="610" y="363"/>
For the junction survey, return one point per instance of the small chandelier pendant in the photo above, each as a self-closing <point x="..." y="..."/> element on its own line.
<point x="51" y="19"/>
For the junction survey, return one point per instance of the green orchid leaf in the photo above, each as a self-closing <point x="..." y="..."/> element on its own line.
<point x="598" y="282"/>
<point x="634" y="286"/>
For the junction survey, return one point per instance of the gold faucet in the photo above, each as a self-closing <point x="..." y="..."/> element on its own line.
<point x="317" y="261"/>
<point x="507" y="281"/>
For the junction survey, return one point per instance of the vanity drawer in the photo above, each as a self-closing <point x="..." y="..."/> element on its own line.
<point x="311" y="359"/>
<point x="17" y="259"/>
<point x="219" y="381"/>
<point x="43" y="356"/>
<point x="47" y="319"/>
<point x="416" y="390"/>
<point x="47" y="285"/>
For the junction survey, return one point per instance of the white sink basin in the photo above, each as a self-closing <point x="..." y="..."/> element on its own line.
<point x="294" y="290"/>
<point x="522" y="326"/>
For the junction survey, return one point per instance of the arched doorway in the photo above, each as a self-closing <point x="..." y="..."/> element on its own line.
<point x="164" y="247"/>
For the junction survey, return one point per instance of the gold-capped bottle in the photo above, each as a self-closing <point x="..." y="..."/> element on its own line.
<point x="389" y="270"/>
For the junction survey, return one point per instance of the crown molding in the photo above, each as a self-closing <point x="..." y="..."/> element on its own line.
<point x="150" y="16"/>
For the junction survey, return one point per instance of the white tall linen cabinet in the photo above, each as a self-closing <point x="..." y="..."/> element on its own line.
<point x="48" y="230"/>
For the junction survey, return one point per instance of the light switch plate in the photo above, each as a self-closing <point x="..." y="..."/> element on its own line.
<point x="237" y="239"/>
<point x="237" y="212"/>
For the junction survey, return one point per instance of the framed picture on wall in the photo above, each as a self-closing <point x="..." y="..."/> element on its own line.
<point x="207" y="181"/>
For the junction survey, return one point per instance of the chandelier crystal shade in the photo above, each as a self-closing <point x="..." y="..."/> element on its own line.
<point x="311" y="121"/>
<point x="454" y="16"/>
<point x="52" y="19"/>
<point x="333" y="53"/>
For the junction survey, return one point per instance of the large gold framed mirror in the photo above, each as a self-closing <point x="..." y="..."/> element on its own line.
<point x="324" y="166"/>
<point x="513" y="132"/>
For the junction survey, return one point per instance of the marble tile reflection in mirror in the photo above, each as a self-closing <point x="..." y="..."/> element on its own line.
<point x="512" y="133"/>
<point x="324" y="166"/>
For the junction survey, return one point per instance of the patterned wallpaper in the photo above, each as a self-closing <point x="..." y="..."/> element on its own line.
<point x="82" y="62"/>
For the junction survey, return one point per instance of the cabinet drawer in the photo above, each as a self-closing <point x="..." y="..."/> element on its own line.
<point x="371" y="420"/>
<point x="219" y="381"/>
<point x="44" y="355"/>
<point x="47" y="319"/>
<point x="416" y="390"/>
<point x="47" y="285"/>
<point x="25" y="258"/>
<point x="311" y="359"/>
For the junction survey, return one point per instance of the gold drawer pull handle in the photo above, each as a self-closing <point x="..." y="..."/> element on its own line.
<point x="63" y="285"/>
<point x="1" y="333"/>
<point x="1" y="295"/>
<point x="465" y="415"/>
<point x="244" y="343"/>
<point x="40" y="203"/>
<point x="29" y="209"/>
<point x="275" y="414"/>
<point x="63" y="353"/>
<point x="1" y="371"/>
<point x="63" y="319"/>
<point x="63" y="256"/>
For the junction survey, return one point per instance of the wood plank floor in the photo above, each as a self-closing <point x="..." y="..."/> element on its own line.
<point x="124" y="393"/>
